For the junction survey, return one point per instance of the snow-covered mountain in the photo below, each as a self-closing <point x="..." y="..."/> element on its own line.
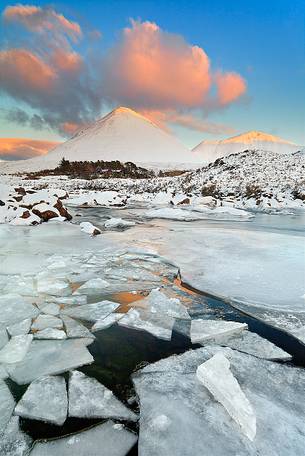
<point x="123" y="135"/>
<point x="209" y="151"/>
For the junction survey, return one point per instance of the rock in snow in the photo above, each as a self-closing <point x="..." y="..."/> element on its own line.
<point x="44" y="400"/>
<point x="88" y="228"/>
<point x="216" y="376"/>
<point x="215" y="330"/>
<point x="90" y="399"/>
<point x="118" y="223"/>
<point x="107" y="439"/>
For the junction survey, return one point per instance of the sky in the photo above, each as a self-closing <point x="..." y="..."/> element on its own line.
<point x="200" y="69"/>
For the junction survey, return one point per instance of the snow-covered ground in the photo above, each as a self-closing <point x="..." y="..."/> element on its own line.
<point x="60" y="287"/>
<point x="254" y="180"/>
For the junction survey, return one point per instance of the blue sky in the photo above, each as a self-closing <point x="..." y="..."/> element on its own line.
<point x="262" y="41"/>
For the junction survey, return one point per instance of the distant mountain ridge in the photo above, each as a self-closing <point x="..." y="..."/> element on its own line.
<point x="123" y="135"/>
<point x="208" y="151"/>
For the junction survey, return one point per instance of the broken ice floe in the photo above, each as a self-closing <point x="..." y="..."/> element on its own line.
<point x="157" y="325"/>
<point x="107" y="439"/>
<point x="106" y="322"/>
<point x="14" y="308"/>
<point x="3" y="337"/>
<point x="16" y="349"/>
<point x="158" y="302"/>
<point x="216" y="376"/>
<point x="50" y="357"/>
<point x="50" y="333"/>
<point x="216" y="330"/>
<point x="253" y="344"/>
<point x="169" y="388"/>
<point x="74" y="329"/>
<point x="46" y="321"/>
<point x="45" y="400"/>
<point x="93" y="286"/>
<point x="22" y="327"/>
<point x="7" y="405"/>
<point x="13" y="441"/>
<point x="91" y="312"/>
<point x="90" y="399"/>
<point x="49" y="308"/>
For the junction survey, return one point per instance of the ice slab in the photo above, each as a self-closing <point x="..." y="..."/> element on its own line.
<point x="16" y="349"/>
<point x="92" y="286"/>
<point x="50" y="357"/>
<point x="173" y="214"/>
<point x="91" y="312"/>
<point x="106" y="322"/>
<point x="74" y="329"/>
<point x="253" y="344"/>
<point x="107" y="439"/>
<point x="53" y="287"/>
<point x="13" y="441"/>
<point x="49" y="308"/>
<point x="50" y="333"/>
<point x="88" y="398"/>
<point x="3" y="373"/>
<point x="3" y="337"/>
<point x="14" y="308"/>
<point x="216" y="376"/>
<point x="217" y="330"/>
<point x="143" y="320"/>
<point x="46" y="321"/>
<point x="7" y="405"/>
<point x="169" y="388"/>
<point x="71" y="300"/>
<point x="45" y="400"/>
<point x="158" y="302"/>
<point x="118" y="223"/>
<point x="17" y="329"/>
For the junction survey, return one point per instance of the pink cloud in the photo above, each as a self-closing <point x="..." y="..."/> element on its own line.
<point x="165" y="117"/>
<point x="152" y="68"/>
<point x="20" y="68"/>
<point x="22" y="148"/>
<point x="68" y="61"/>
<point x="230" y="86"/>
<point x="41" y="19"/>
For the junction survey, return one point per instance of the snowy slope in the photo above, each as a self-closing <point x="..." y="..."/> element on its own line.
<point x="209" y="151"/>
<point x="121" y="135"/>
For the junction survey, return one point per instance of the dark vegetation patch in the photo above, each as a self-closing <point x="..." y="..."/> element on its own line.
<point x="95" y="170"/>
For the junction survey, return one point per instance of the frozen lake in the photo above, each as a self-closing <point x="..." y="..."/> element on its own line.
<point x="259" y="262"/>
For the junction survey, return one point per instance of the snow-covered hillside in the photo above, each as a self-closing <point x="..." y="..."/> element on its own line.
<point x="256" y="180"/>
<point x="209" y="151"/>
<point x="122" y="135"/>
<point x="259" y="179"/>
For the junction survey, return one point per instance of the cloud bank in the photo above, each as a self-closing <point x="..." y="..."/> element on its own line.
<point x="21" y="148"/>
<point x="147" y="69"/>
